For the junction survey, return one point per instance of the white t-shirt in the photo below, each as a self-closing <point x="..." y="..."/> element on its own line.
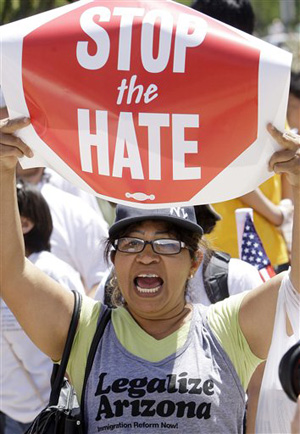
<point x="58" y="270"/>
<point x="59" y="182"/>
<point x="241" y="277"/>
<point x="78" y="233"/>
<point x="25" y="371"/>
<point x="100" y="292"/>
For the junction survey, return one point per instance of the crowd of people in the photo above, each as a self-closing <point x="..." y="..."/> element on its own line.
<point x="191" y="323"/>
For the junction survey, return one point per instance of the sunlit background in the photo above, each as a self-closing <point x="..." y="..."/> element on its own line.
<point x="277" y="21"/>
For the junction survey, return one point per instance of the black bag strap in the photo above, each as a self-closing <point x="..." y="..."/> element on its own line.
<point x="215" y="276"/>
<point x="58" y="373"/>
<point x="102" y="323"/>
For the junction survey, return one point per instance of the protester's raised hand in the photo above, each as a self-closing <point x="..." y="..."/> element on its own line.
<point x="286" y="160"/>
<point x="11" y="147"/>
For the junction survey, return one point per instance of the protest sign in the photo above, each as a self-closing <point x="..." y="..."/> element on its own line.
<point x="145" y="102"/>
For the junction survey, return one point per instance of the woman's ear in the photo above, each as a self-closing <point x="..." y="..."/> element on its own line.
<point x="27" y="225"/>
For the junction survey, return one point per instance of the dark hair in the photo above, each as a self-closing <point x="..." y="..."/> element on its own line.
<point x="206" y="217"/>
<point x="33" y="206"/>
<point x="236" y="13"/>
<point x="193" y="241"/>
<point x="295" y="84"/>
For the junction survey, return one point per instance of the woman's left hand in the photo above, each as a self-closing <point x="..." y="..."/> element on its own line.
<point x="286" y="160"/>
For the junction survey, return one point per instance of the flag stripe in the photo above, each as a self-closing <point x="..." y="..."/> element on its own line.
<point x="253" y="252"/>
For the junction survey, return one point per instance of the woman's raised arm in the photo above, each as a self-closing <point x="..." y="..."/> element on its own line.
<point x="258" y="308"/>
<point x="42" y="307"/>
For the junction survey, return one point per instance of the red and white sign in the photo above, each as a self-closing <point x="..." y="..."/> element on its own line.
<point x="145" y="102"/>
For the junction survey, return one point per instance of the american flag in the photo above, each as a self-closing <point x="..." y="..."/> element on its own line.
<point x="254" y="252"/>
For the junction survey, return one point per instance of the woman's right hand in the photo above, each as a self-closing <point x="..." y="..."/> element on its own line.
<point x="11" y="147"/>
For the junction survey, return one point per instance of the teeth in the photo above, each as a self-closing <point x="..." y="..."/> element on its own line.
<point x="148" y="290"/>
<point x="147" y="275"/>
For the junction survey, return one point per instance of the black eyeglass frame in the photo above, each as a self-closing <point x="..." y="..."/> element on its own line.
<point x="181" y="245"/>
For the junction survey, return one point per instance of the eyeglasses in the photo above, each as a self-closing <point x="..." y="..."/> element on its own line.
<point x="164" y="246"/>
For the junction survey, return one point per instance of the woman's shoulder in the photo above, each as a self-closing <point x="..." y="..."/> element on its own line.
<point x="89" y="315"/>
<point x="223" y="319"/>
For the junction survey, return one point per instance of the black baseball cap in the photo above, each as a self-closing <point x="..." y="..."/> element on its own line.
<point x="183" y="217"/>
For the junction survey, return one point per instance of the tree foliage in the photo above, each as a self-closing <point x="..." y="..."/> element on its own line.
<point x="265" y="10"/>
<point x="12" y="10"/>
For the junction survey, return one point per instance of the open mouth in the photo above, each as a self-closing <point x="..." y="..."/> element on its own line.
<point x="148" y="283"/>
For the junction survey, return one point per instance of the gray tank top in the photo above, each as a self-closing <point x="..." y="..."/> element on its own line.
<point x="195" y="390"/>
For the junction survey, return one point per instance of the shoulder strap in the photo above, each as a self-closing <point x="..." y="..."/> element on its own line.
<point x="102" y="323"/>
<point x="215" y="276"/>
<point x="58" y="373"/>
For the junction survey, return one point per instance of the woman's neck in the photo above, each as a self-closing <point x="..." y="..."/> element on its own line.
<point x="161" y="328"/>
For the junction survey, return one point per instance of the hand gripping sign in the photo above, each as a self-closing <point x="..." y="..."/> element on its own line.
<point x="145" y="102"/>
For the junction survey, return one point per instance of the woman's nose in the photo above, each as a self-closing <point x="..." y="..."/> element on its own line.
<point x="148" y="255"/>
